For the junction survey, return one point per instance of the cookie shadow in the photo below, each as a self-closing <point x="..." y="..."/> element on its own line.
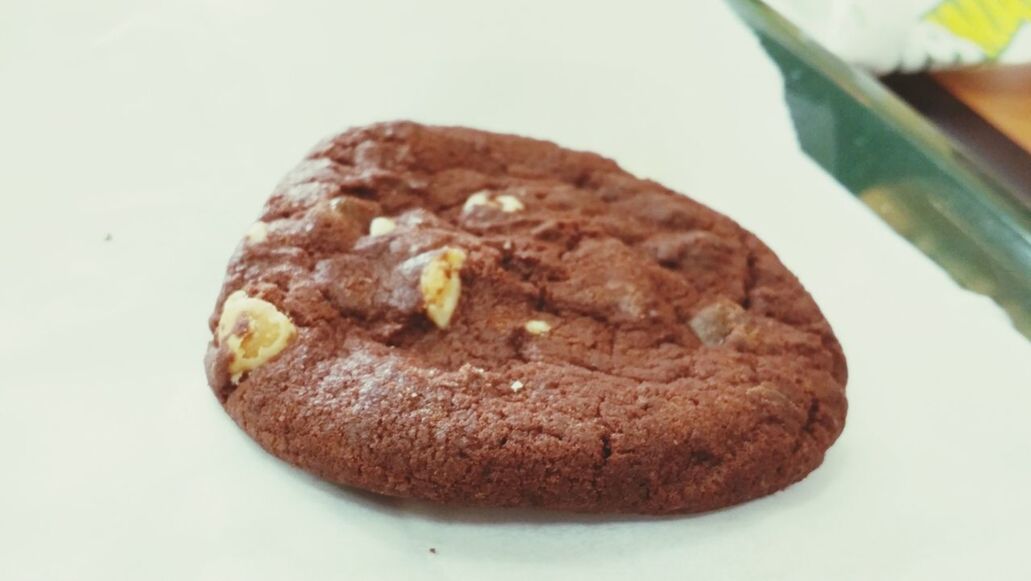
<point x="480" y="515"/>
<point x="515" y="536"/>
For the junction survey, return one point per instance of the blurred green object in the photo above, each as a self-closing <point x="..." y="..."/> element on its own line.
<point x="915" y="178"/>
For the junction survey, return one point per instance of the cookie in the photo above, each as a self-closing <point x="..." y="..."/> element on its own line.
<point x="484" y="319"/>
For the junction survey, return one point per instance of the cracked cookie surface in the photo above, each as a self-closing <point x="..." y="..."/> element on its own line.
<point x="476" y="318"/>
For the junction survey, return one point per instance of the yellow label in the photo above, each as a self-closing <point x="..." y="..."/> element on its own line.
<point x="990" y="24"/>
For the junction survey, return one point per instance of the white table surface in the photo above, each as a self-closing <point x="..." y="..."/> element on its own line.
<point x="165" y="125"/>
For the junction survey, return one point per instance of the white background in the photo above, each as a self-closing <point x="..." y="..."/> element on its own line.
<point x="165" y="125"/>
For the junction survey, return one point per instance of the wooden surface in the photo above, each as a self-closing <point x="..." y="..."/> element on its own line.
<point x="1002" y="96"/>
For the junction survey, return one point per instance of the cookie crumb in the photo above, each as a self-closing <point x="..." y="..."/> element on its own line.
<point x="107" y="237"/>
<point x="433" y="550"/>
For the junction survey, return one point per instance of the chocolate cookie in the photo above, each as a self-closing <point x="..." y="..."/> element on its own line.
<point x="474" y="318"/>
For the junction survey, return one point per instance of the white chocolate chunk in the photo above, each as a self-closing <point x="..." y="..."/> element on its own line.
<point x="537" y="327"/>
<point x="509" y="203"/>
<point x="505" y="202"/>
<point x="441" y="285"/>
<point x="517" y="385"/>
<point x="257" y="233"/>
<point x="253" y="330"/>
<point x="478" y="199"/>
<point x="381" y="225"/>
<point x="713" y="323"/>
